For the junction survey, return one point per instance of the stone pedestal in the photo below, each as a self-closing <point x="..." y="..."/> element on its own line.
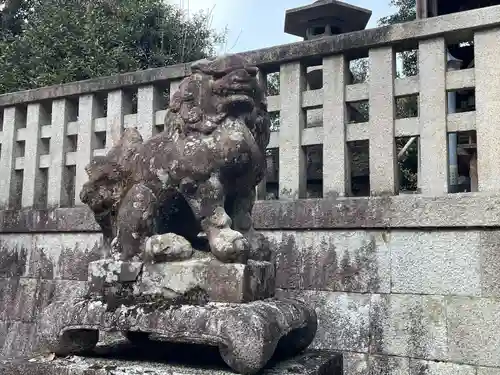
<point x="197" y="301"/>
<point x="193" y="281"/>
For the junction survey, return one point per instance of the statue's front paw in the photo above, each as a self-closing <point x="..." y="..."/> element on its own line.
<point x="230" y="246"/>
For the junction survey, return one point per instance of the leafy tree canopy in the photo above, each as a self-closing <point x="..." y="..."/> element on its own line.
<point x="46" y="42"/>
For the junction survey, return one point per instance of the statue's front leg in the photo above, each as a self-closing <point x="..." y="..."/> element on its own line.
<point x="207" y="202"/>
<point x="240" y="208"/>
<point x="135" y="222"/>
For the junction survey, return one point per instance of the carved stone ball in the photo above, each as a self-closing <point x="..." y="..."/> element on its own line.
<point x="167" y="248"/>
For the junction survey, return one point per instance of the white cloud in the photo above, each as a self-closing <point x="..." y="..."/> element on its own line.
<point x="223" y="17"/>
<point x="220" y="10"/>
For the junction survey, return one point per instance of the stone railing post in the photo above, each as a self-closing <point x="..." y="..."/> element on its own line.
<point x="487" y="57"/>
<point x="383" y="157"/>
<point x="12" y="120"/>
<point x="433" y="125"/>
<point x="119" y="105"/>
<point x="57" y="194"/>
<point x="89" y="110"/>
<point x="33" y="184"/>
<point x="336" y="160"/>
<point x="292" y="159"/>
<point x="148" y="103"/>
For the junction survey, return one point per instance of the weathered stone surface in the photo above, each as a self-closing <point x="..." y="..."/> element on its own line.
<point x="343" y="319"/>
<point x="445" y="263"/>
<point x="24" y="299"/>
<point x="64" y="256"/>
<point x="109" y="271"/>
<point x="247" y="334"/>
<point x="336" y="261"/>
<point x="19" y="341"/>
<point x="385" y="365"/>
<point x="4" y="329"/>
<point x="150" y="360"/>
<point x="404" y="211"/>
<point x="364" y="364"/>
<point x="409" y="326"/>
<point x="420" y="367"/>
<point x="66" y="289"/>
<point x="488" y="371"/>
<point x="14" y="255"/>
<point x="167" y="248"/>
<point x="17" y="299"/>
<point x="489" y="242"/>
<point x="473" y="330"/>
<point x="210" y="279"/>
<point x="356" y="364"/>
<point x="198" y="175"/>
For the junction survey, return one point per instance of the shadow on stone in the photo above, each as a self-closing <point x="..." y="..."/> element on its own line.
<point x="205" y="358"/>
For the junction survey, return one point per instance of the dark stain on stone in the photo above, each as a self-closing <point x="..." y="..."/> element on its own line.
<point x="4" y="329"/>
<point x="73" y="262"/>
<point x="358" y="272"/>
<point x="326" y="267"/>
<point x="419" y="368"/>
<point x="121" y="294"/>
<point x="366" y="259"/>
<point x="45" y="294"/>
<point x="379" y="313"/>
<point x="417" y="331"/>
<point x="316" y="267"/>
<point x="288" y="263"/>
<point x="383" y="365"/>
<point x="41" y="266"/>
<point x="8" y="291"/>
<point x="347" y="272"/>
<point x="13" y="261"/>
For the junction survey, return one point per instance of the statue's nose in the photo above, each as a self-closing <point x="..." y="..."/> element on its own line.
<point x="242" y="76"/>
<point x="252" y="70"/>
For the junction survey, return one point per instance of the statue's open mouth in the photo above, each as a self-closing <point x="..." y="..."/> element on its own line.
<point x="238" y="96"/>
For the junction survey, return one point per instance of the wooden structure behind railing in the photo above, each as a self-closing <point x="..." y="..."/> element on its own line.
<point x="49" y="135"/>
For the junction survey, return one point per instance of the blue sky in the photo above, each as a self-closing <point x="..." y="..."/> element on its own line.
<point x="254" y="24"/>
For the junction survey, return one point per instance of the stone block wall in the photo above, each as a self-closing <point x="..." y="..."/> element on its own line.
<point x="395" y="299"/>
<point x="36" y="269"/>
<point x="406" y="302"/>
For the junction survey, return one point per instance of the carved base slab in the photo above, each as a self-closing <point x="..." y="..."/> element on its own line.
<point x="194" y="281"/>
<point x="247" y="335"/>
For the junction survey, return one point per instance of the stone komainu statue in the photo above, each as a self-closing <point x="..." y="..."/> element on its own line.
<point x="196" y="177"/>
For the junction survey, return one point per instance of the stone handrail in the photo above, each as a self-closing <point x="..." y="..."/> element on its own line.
<point x="50" y="134"/>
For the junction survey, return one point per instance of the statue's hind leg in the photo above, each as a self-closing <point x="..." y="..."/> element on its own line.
<point x="135" y="221"/>
<point x="207" y="202"/>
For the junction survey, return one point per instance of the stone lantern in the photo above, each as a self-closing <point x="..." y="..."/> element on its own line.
<point x="324" y="18"/>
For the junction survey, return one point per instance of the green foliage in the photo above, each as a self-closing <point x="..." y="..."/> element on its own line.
<point x="406" y="11"/>
<point x="12" y="16"/>
<point x="273" y="88"/>
<point x="46" y="42"/>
